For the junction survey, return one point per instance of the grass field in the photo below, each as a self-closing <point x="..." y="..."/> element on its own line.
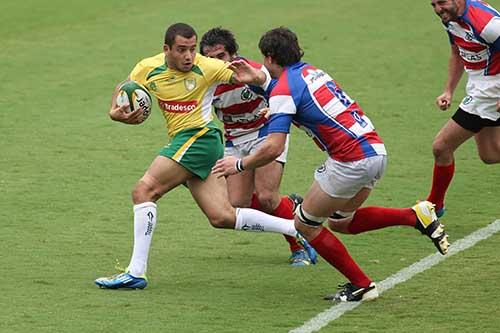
<point x="66" y="172"/>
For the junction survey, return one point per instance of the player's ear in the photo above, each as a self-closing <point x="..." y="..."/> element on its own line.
<point x="166" y="48"/>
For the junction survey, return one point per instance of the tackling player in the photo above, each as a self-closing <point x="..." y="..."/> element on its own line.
<point x="184" y="83"/>
<point x="239" y="107"/>
<point x="311" y="99"/>
<point x="473" y="28"/>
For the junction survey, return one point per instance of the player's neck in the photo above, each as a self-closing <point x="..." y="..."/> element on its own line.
<point x="461" y="4"/>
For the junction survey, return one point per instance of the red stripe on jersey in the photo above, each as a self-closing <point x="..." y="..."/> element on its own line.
<point x="281" y="88"/>
<point x="241" y="108"/>
<point x="226" y="87"/>
<point x="480" y="18"/>
<point x="495" y="64"/>
<point x="323" y="95"/>
<point x="471" y="46"/>
<point x="253" y="124"/>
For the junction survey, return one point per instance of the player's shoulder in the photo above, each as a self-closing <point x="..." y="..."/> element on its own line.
<point x="153" y="61"/>
<point x="479" y="13"/>
<point x="292" y="79"/>
<point x="206" y="64"/>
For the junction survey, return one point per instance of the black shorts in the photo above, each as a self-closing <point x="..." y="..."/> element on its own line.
<point x="473" y="122"/>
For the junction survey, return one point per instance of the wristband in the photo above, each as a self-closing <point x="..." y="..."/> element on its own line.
<point x="239" y="165"/>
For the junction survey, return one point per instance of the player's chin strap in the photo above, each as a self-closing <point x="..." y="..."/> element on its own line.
<point x="308" y="219"/>
<point x="340" y="216"/>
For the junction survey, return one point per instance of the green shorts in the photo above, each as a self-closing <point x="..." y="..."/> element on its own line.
<point x="196" y="149"/>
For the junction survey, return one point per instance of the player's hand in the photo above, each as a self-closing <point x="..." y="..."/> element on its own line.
<point x="443" y="101"/>
<point x="266" y="112"/>
<point x="498" y="105"/>
<point x="225" y="167"/>
<point x="119" y="113"/>
<point x="244" y="73"/>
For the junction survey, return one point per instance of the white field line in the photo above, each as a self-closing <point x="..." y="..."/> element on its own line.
<point x="329" y="315"/>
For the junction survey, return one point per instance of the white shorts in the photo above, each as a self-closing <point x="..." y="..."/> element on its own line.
<point x="345" y="179"/>
<point x="483" y="93"/>
<point x="248" y="147"/>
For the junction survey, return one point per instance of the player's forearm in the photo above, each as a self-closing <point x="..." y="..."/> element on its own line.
<point x="455" y="71"/>
<point x="267" y="153"/>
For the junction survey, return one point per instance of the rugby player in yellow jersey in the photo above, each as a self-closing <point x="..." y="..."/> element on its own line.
<point x="184" y="83"/>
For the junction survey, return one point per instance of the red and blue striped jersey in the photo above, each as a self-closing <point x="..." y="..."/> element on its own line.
<point x="477" y="35"/>
<point x="312" y="100"/>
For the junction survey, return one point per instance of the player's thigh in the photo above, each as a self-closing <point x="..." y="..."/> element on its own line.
<point x="211" y="196"/>
<point x="488" y="144"/>
<point x="321" y="204"/>
<point x="450" y="137"/>
<point x="240" y="188"/>
<point x="356" y="201"/>
<point x="162" y="175"/>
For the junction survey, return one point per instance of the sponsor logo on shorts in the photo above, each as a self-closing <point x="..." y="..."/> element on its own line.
<point x="177" y="107"/>
<point x="467" y="100"/>
<point x="321" y="169"/>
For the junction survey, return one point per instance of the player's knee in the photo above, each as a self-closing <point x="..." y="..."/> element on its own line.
<point x="146" y="189"/>
<point x="341" y="222"/>
<point x="489" y="159"/>
<point x="439" y="148"/>
<point x="223" y="219"/>
<point x="268" y="200"/>
<point x="308" y="225"/>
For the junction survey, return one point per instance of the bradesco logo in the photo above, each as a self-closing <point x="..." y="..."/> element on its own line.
<point x="178" y="107"/>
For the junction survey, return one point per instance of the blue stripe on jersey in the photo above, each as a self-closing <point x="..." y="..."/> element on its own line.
<point x="322" y="116"/>
<point x="367" y="147"/>
<point x="485" y="8"/>
<point x="295" y="82"/>
<point x="280" y="123"/>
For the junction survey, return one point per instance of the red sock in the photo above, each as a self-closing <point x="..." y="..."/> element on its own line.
<point x="332" y="250"/>
<point x="285" y="210"/>
<point x="372" y="218"/>
<point x="441" y="179"/>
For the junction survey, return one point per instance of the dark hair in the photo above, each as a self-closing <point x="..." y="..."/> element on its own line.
<point x="219" y="36"/>
<point x="178" y="29"/>
<point x="282" y="45"/>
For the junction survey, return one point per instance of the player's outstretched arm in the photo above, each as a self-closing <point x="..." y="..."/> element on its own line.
<point x="270" y="149"/>
<point x="455" y="71"/>
<point x="245" y="73"/>
<point x="120" y="114"/>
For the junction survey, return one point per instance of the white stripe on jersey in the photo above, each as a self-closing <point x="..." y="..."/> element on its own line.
<point x="491" y="31"/>
<point x="206" y="103"/>
<point x="282" y="104"/>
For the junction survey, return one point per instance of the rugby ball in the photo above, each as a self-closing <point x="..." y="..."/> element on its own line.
<point x="135" y="96"/>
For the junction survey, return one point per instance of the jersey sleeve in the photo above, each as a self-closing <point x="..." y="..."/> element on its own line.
<point x="139" y="73"/>
<point x="282" y="107"/>
<point x="491" y="32"/>
<point x="216" y="70"/>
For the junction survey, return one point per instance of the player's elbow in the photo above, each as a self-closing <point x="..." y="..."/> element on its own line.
<point x="273" y="150"/>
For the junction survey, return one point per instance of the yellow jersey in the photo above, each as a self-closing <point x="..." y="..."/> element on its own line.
<point x="185" y="98"/>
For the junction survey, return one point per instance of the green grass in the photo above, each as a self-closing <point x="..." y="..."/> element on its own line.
<point x="66" y="172"/>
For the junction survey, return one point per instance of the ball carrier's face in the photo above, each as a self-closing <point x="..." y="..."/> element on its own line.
<point x="181" y="55"/>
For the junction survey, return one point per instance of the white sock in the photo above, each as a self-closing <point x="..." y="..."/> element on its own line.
<point x="144" y="225"/>
<point x="248" y="219"/>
